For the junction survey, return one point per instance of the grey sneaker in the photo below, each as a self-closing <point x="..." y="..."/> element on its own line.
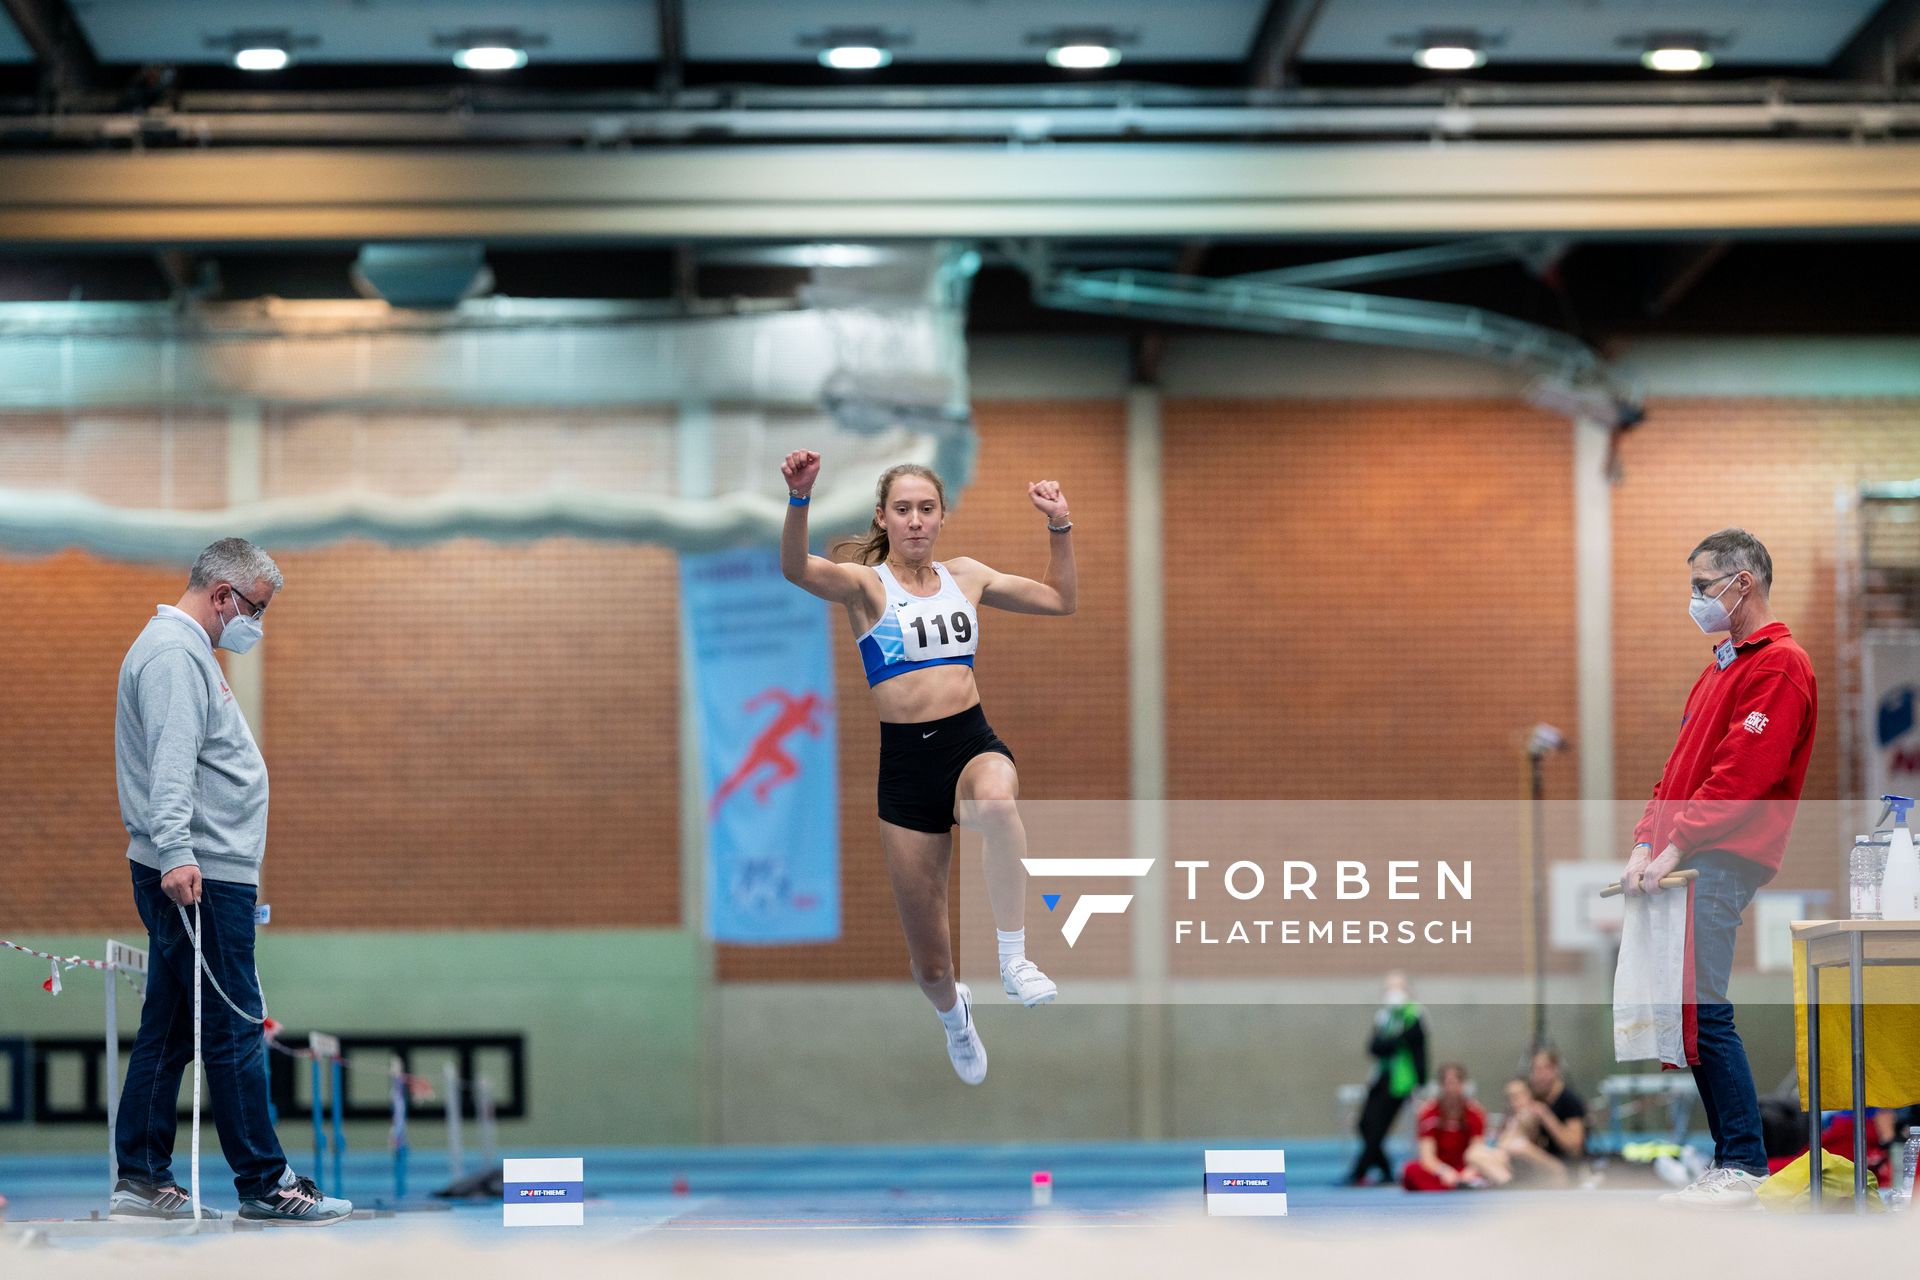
<point x="296" y="1202"/>
<point x="132" y="1199"/>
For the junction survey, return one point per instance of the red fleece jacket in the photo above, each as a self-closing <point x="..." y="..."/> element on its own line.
<point x="1746" y="737"/>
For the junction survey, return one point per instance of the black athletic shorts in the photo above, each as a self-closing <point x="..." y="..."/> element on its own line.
<point x="920" y="767"/>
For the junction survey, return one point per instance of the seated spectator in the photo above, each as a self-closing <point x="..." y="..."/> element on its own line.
<point x="1561" y="1113"/>
<point x="1519" y="1155"/>
<point x="1450" y="1129"/>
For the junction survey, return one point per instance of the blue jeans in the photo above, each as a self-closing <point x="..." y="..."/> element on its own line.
<point x="230" y="1046"/>
<point x="1727" y="884"/>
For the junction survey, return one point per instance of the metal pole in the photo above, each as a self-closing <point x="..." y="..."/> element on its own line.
<point x="1813" y="1080"/>
<point x="339" y="1133"/>
<point x="1154" y="1070"/>
<point x="397" y="1092"/>
<point x="456" y="1155"/>
<point x="1535" y="860"/>
<point x="1857" y="1025"/>
<point x="113" y="1070"/>
<point x="319" y="1122"/>
<point x="198" y="967"/>
<point x="484" y="1119"/>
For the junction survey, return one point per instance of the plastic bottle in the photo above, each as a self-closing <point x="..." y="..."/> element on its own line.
<point x="1863" y="879"/>
<point x="1903" y="1185"/>
<point x="1900" y="889"/>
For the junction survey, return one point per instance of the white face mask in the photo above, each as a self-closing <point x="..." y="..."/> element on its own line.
<point x="1710" y="614"/>
<point x="241" y="632"/>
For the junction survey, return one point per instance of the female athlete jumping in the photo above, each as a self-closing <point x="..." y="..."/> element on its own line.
<point x="917" y="623"/>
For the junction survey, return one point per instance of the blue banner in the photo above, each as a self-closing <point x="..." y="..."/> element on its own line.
<point x="762" y="678"/>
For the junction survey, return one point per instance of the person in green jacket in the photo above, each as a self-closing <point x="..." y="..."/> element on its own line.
<point x="1399" y="1049"/>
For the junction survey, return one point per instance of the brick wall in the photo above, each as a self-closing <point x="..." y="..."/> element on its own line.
<point x="174" y="460"/>
<point x="1365" y="600"/>
<point x="1370" y="600"/>
<point x="62" y="848"/>
<point x="465" y="736"/>
<point x="475" y="736"/>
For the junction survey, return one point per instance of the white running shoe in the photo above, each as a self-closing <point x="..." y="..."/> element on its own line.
<point x="1024" y="982"/>
<point x="1718" y="1189"/>
<point x="969" y="1055"/>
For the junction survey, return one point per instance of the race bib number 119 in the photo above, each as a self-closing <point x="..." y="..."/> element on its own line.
<point x="937" y="629"/>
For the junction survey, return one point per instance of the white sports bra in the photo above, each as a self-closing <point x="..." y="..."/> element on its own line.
<point x="914" y="632"/>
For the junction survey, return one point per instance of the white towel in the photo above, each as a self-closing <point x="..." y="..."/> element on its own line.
<point x="1649" y="984"/>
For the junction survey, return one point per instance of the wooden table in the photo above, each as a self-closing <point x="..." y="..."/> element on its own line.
<point x="1855" y="944"/>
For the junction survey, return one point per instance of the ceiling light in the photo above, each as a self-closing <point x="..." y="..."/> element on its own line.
<point x="260" y="59"/>
<point x="855" y="57"/>
<point x="1083" y="57"/>
<point x="490" y="58"/>
<point x="1449" y="57"/>
<point x="1676" y="60"/>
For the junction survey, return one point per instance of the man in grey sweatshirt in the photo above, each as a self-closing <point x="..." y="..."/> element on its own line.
<point x="193" y="796"/>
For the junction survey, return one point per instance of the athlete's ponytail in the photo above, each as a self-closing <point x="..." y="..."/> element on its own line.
<point x="874" y="547"/>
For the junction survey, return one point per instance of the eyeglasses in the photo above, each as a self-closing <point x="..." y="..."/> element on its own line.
<point x="1699" y="588"/>
<point x="258" y="609"/>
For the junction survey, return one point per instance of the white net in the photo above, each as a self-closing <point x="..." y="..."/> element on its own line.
<point x="142" y="433"/>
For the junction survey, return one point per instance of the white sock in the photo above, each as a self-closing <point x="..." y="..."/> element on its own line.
<point x="1013" y="946"/>
<point x="955" y="1018"/>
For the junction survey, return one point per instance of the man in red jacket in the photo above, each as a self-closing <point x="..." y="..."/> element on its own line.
<point x="1724" y="806"/>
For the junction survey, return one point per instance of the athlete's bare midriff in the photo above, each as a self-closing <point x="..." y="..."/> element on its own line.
<point x="931" y="693"/>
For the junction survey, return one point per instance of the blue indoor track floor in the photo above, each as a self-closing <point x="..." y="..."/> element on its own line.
<point x="735" y="1189"/>
<point x="840" y="1213"/>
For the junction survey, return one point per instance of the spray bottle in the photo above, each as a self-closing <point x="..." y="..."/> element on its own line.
<point x="1900" y="890"/>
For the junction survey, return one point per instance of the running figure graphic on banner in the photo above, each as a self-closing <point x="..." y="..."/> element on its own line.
<point x="796" y="715"/>
<point x="917" y="624"/>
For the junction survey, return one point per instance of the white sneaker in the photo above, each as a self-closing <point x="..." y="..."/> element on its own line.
<point x="1718" y="1189"/>
<point x="1024" y="982"/>
<point x="963" y="1046"/>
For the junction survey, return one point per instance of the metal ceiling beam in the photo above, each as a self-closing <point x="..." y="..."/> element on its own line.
<point x="499" y="97"/>
<point x="271" y="125"/>
<point x="1426" y="260"/>
<point x="1886" y="49"/>
<point x="347" y="197"/>
<point x="58" y="44"/>
<point x="1276" y="46"/>
<point x="1558" y="357"/>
